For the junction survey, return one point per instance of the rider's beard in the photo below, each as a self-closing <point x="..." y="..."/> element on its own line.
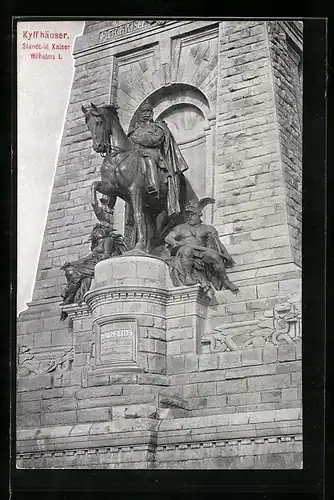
<point x="145" y="121"/>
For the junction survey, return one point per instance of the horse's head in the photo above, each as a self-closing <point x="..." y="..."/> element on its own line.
<point x="99" y="122"/>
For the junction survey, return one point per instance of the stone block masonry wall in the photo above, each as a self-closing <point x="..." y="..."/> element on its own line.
<point x="286" y="61"/>
<point x="266" y="378"/>
<point x="250" y="209"/>
<point x="252" y="190"/>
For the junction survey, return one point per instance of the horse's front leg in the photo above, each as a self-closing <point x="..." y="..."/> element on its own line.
<point x="138" y="215"/>
<point x="104" y="188"/>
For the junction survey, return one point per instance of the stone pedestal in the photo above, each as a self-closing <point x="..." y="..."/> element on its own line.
<point x="128" y="305"/>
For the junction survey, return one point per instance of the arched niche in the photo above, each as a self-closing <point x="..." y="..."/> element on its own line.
<point x="172" y="95"/>
<point x="187" y="124"/>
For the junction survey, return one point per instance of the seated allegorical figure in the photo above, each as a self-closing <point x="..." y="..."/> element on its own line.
<point x="195" y="254"/>
<point x="105" y="242"/>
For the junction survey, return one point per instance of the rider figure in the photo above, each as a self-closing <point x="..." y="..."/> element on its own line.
<point x="162" y="155"/>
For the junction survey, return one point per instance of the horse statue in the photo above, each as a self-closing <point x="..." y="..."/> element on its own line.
<point x="124" y="175"/>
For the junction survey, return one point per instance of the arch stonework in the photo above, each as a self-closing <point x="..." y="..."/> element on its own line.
<point x="227" y="95"/>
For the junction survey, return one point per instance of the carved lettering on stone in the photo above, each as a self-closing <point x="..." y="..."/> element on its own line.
<point x="126" y="29"/>
<point x="115" y="342"/>
<point x="116" y="345"/>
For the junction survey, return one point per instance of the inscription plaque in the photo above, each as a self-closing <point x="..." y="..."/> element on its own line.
<point x="126" y="29"/>
<point x="116" y="342"/>
<point x="117" y="345"/>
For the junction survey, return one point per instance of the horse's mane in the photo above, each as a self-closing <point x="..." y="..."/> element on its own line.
<point x="111" y="107"/>
<point x="104" y="109"/>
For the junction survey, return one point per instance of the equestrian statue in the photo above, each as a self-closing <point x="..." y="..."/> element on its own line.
<point x="145" y="168"/>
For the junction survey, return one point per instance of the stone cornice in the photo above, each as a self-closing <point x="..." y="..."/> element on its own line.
<point x="76" y="310"/>
<point x="31" y="455"/>
<point x="192" y="293"/>
<point x="125" y="293"/>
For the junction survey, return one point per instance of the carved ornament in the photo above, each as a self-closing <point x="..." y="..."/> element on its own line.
<point x="281" y="325"/>
<point x="31" y="362"/>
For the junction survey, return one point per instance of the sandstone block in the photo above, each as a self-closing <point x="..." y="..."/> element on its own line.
<point x="270" y="354"/>
<point x="244" y="398"/>
<point x="188" y="346"/>
<point x="159" y="323"/>
<point x="173" y="347"/>
<point x="179" y="333"/>
<point x="152" y="346"/>
<point x="145" y="320"/>
<point x="97" y="380"/>
<point x="229" y="359"/>
<point x="208" y="362"/>
<point x="59" y="404"/>
<point x="267" y="290"/>
<point x="290" y="394"/>
<point x="156" y="333"/>
<point x="61" y="338"/>
<point x="26" y="340"/>
<point x="93" y="415"/>
<point x="232" y="386"/>
<point x="190" y="391"/>
<point x="206" y="389"/>
<point x="180" y="322"/>
<point x="29" y="407"/>
<point x="296" y="379"/>
<point x="156" y="363"/>
<point x="123" y="378"/>
<point x="191" y="362"/>
<point x="174" y="310"/>
<point x="96" y="392"/>
<point x="175" y="364"/>
<point x="32" y="384"/>
<point x="55" y="418"/>
<point x="290" y="286"/>
<point x="238" y="307"/>
<point x="289" y="367"/>
<point x="80" y="359"/>
<point x="29" y="396"/>
<point x="286" y="352"/>
<point x="42" y="339"/>
<point x="251" y="357"/>
<point x="28" y="420"/>
<point x="298" y="349"/>
<point x="269" y="382"/>
<point x="271" y="396"/>
<point x="216" y="402"/>
<point x="152" y="379"/>
<point x="251" y="371"/>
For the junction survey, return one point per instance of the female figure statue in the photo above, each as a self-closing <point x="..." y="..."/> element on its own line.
<point x="105" y="243"/>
